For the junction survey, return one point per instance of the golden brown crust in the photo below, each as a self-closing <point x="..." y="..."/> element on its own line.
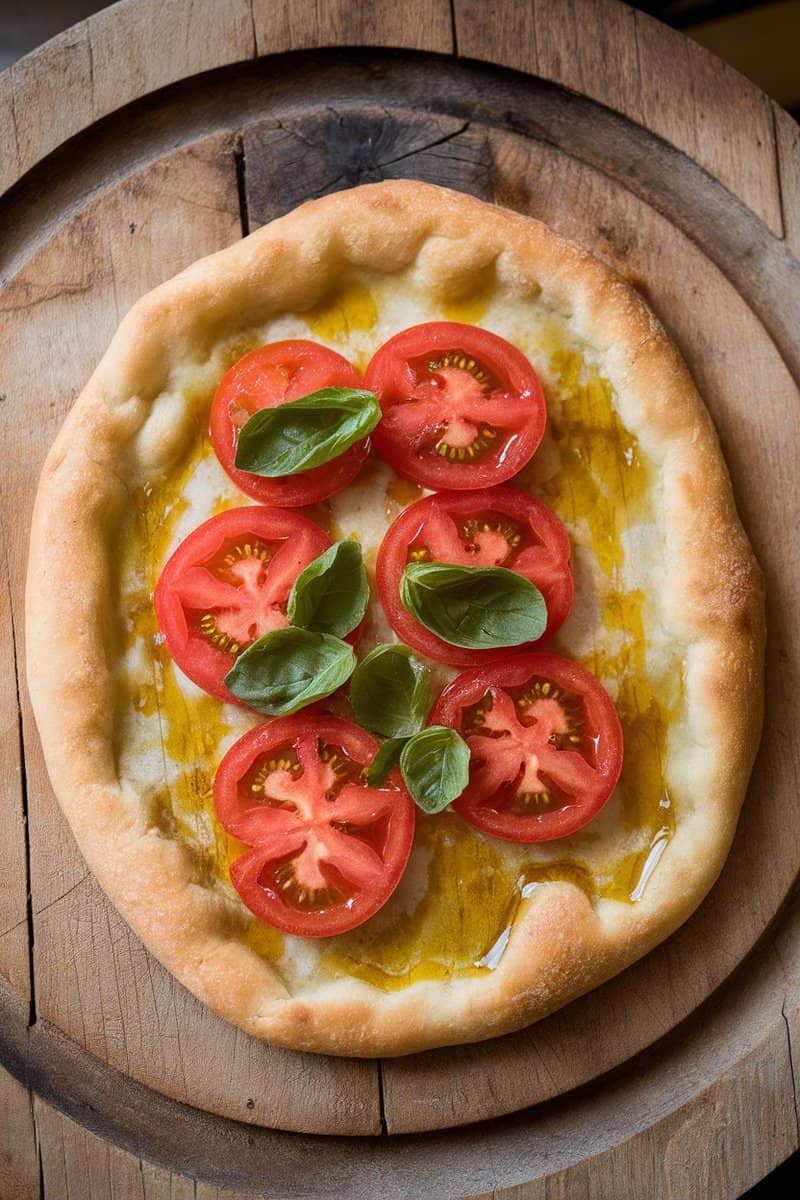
<point x="561" y="946"/>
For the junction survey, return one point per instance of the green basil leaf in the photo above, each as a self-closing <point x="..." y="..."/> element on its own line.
<point x="389" y="692"/>
<point x="289" y="668"/>
<point x="480" y="608"/>
<point x="435" y="767"/>
<point x="331" y="594"/>
<point x="303" y="434"/>
<point x="387" y="757"/>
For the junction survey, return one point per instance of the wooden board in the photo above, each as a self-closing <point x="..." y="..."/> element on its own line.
<point x="144" y="191"/>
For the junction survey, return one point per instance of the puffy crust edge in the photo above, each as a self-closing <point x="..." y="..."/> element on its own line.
<point x="560" y="947"/>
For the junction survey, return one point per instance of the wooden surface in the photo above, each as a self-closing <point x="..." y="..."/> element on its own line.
<point x="92" y="228"/>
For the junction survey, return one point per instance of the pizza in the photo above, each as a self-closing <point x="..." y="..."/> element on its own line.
<point x="393" y="639"/>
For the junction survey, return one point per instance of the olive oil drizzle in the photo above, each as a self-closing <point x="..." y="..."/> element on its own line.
<point x="458" y="919"/>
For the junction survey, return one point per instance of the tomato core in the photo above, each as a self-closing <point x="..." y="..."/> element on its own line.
<point x="327" y="850"/>
<point x="545" y="745"/>
<point x="462" y="408"/>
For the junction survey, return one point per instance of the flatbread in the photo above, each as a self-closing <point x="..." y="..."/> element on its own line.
<point x="481" y="937"/>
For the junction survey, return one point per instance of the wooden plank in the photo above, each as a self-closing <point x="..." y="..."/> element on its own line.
<point x="19" y="1165"/>
<point x="660" y="79"/>
<point x="93" y="978"/>
<point x="711" y="112"/>
<point x="710" y="1147"/>
<point x="732" y="360"/>
<point x="14" y="954"/>
<point x="417" y="24"/>
<point x="141" y="46"/>
<point x="787" y="133"/>
<point x="97" y="982"/>
<point x="575" y="42"/>
<point x="77" y="1165"/>
<point x="52" y="94"/>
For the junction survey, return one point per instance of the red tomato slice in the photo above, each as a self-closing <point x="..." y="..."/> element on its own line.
<point x="496" y="527"/>
<point x="462" y="408"/>
<point x="270" y="376"/>
<point x="228" y="584"/>
<point x="328" y="851"/>
<point x="545" y="743"/>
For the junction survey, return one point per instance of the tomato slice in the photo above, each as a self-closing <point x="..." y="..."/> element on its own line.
<point x="327" y="850"/>
<point x="462" y="408"/>
<point x="545" y="743"/>
<point x="264" y="378"/>
<point x="495" y="527"/>
<point x="228" y="584"/>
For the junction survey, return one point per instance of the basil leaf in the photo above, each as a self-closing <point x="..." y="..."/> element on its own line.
<point x="387" y="757"/>
<point x="331" y="594"/>
<point x="435" y="767"/>
<point x="389" y="692"/>
<point x="303" y="434"/>
<point x="289" y="668"/>
<point x="479" y="608"/>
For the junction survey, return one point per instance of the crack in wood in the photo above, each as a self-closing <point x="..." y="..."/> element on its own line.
<point x="253" y="31"/>
<point x="791" y="1068"/>
<point x="381" y="1098"/>
<point x="454" y="27"/>
<point x="90" y="48"/>
<point x="38" y="1140"/>
<point x="39" y="911"/>
<point x="241" y="183"/>
<point x="447" y="137"/>
<point x="776" y="152"/>
<point x="56" y="290"/>
<point x="11" y="928"/>
<point x="23" y="780"/>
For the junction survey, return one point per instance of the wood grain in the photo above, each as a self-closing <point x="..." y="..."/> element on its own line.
<point x="660" y="79"/>
<point x="293" y="25"/>
<point x="60" y="76"/>
<point x="161" y="41"/>
<point x="77" y="1165"/>
<point x="19" y="1167"/>
<point x="712" y="113"/>
<point x="326" y="149"/>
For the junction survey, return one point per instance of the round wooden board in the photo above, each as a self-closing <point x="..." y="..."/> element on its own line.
<point x="112" y="200"/>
